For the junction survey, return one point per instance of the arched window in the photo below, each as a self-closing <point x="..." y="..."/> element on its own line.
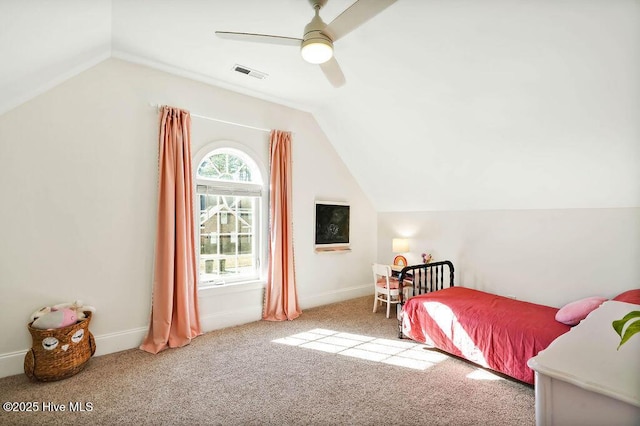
<point x="229" y="189"/>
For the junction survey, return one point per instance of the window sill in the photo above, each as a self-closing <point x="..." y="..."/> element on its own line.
<point x="230" y="288"/>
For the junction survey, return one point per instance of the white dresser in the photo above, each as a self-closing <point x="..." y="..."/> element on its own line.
<point x="581" y="379"/>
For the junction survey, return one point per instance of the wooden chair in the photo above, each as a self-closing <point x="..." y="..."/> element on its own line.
<point x="386" y="287"/>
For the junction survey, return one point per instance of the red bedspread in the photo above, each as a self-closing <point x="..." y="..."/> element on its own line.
<point x="490" y="330"/>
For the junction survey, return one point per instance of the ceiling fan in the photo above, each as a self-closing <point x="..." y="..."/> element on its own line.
<point x="316" y="44"/>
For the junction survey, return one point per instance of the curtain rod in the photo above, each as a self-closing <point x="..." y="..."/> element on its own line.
<point x="246" y="126"/>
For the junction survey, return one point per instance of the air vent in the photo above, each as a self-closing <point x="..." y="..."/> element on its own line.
<point x="250" y="72"/>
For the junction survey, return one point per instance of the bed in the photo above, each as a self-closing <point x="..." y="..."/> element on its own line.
<point x="492" y="331"/>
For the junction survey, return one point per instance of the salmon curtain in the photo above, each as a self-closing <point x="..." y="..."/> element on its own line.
<point x="281" y="299"/>
<point x="175" y="318"/>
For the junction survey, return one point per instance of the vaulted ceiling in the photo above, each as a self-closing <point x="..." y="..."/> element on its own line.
<point x="448" y="104"/>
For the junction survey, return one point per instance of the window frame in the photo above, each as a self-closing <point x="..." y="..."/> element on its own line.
<point x="234" y="188"/>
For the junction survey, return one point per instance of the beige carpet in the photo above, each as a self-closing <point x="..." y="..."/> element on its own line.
<point x="258" y="374"/>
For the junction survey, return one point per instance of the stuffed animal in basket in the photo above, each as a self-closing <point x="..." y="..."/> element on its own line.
<point x="58" y="353"/>
<point x="60" y="315"/>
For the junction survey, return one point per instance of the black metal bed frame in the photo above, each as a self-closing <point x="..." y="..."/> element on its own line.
<point x="426" y="277"/>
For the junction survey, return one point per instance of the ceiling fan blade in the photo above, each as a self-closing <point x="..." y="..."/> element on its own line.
<point x="260" y="38"/>
<point x="356" y="15"/>
<point x="333" y="72"/>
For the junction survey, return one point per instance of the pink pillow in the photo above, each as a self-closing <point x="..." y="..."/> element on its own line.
<point x="574" y="312"/>
<point x="629" y="296"/>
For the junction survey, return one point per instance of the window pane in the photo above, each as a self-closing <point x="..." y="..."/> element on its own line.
<point x="244" y="244"/>
<point x="225" y="166"/>
<point x="229" y="224"/>
<point x="227" y="236"/>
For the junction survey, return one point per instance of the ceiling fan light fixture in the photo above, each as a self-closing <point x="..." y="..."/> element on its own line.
<point x="316" y="50"/>
<point x="316" y="45"/>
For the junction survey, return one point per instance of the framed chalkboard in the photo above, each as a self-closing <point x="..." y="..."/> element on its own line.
<point x="332" y="224"/>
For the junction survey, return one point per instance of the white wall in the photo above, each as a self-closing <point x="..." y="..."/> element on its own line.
<point x="78" y="172"/>
<point x="549" y="257"/>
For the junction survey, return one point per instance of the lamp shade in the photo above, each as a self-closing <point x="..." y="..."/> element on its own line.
<point x="400" y="245"/>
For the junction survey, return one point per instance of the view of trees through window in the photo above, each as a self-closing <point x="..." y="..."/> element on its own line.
<point x="224" y="167"/>
<point x="229" y="216"/>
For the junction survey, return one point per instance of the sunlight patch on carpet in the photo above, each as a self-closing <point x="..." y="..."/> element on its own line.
<point x="393" y="352"/>
<point x="481" y="374"/>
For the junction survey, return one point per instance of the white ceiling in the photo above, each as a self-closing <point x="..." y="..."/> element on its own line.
<point x="448" y="105"/>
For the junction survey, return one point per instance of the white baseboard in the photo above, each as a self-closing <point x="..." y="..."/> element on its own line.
<point x="335" y="296"/>
<point x="254" y="313"/>
<point x="119" y="341"/>
<point x="12" y="363"/>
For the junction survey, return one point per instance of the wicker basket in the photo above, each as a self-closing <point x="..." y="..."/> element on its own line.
<point x="59" y="353"/>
